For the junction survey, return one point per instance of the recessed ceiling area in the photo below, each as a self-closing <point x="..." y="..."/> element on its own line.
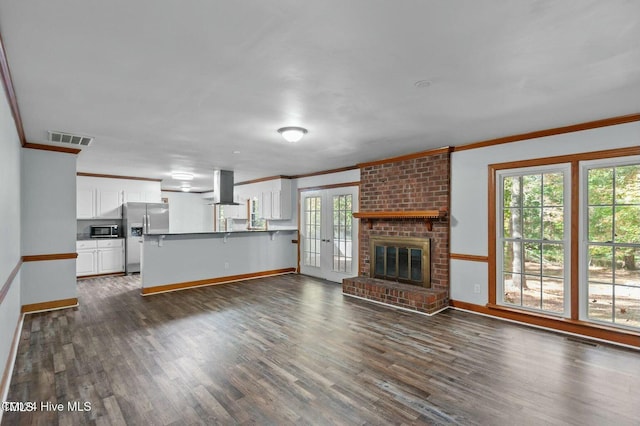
<point x="198" y="86"/>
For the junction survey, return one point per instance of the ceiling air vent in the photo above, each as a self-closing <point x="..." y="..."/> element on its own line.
<point x="69" y="138"/>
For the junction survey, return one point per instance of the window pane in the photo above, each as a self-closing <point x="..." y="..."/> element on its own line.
<point x="553" y="294"/>
<point x="600" y="264"/>
<point x="531" y="223"/>
<point x="553" y="190"/>
<point x="516" y="256"/>
<point x="600" y="186"/>
<point x="553" y="223"/>
<point x="627" y="224"/>
<point x="600" y="302"/>
<point x="628" y="184"/>
<point x="507" y="250"/>
<point x="531" y="294"/>
<point x="507" y="222"/>
<point x="532" y="190"/>
<point x="532" y="256"/>
<point x="553" y="260"/>
<point x="511" y="191"/>
<point x="627" y="306"/>
<point x="512" y="292"/>
<point x="601" y="224"/>
<point x="628" y="266"/>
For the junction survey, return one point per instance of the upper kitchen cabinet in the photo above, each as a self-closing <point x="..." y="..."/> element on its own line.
<point x="98" y="198"/>
<point x="142" y="191"/>
<point x="102" y="198"/>
<point x="276" y="202"/>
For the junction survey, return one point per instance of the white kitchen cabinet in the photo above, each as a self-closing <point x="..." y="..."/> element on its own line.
<point x="110" y="204"/>
<point x="97" y="257"/>
<point x="276" y="204"/>
<point x="87" y="260"/>
<point x="86" y="203"/>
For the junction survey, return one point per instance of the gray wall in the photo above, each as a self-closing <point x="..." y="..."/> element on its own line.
<point x="10" y="226"/>
<point x="469" y="194"/>
<point x="48" y="224"/>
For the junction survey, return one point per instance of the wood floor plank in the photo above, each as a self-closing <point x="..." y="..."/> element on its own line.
<point x="293" y="350"/>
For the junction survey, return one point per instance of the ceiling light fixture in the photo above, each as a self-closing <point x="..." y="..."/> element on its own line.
<point x="181" y="176"/>
<point x="292" y="134"/>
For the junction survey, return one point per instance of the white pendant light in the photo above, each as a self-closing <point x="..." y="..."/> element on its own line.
<point x="292" y="134"/>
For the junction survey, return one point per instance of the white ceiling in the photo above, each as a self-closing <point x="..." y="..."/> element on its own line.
<point x="180" y="85"/>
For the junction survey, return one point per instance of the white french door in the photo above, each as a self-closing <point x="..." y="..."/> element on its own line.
<point x="329" y="233"/>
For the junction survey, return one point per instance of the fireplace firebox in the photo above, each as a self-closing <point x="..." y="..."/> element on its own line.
<point x="401" y="259"/>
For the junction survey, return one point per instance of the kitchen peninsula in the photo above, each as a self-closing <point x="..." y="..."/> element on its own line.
<point x="175" y="261"/>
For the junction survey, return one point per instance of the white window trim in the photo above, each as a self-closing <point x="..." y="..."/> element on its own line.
<point x="583" y="286"/>
<point x="564" y="168"/>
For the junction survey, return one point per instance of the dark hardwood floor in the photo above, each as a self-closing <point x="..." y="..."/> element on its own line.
<point x="294" y="350"/>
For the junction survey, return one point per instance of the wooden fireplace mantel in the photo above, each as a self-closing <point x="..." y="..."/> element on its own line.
<point x="427" y="215"/>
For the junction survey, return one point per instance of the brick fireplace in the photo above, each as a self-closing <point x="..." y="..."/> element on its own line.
<point x="405" y="198"/>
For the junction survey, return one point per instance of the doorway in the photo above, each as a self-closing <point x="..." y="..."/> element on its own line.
<point x="329" y="233"/>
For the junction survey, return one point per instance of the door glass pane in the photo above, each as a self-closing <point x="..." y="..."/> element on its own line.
<point x="342" y="237"/>
<point x="311" y="255"/>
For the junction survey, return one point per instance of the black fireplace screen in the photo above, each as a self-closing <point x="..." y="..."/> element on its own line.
<point x="401" y="259"/>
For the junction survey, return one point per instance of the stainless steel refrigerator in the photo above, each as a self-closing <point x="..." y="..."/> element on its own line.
<point x="139" y="219"/>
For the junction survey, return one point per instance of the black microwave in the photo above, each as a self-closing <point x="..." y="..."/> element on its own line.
<point x="104" y="231"/>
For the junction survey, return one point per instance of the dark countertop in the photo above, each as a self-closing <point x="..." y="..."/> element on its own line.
<point x="84" y="237"/>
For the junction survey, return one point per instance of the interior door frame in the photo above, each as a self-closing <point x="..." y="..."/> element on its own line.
<point x="356" y="184"/>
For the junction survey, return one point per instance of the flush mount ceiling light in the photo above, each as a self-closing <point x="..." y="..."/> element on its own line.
<point x="181" y="176"/>
<point x="292" y="134"/>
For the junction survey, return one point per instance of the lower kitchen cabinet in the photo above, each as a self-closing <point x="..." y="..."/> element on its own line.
<point x="97" y="257"/>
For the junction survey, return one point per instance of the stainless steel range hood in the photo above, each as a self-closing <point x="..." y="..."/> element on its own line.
<point x="223" y="188"/>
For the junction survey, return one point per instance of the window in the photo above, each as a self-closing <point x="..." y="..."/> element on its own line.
<point x="539" y="219"/>
<point x="611" y="249"/>
<point x="221" y="219"/>
<point x="255" y="221"/>
<point x="533" y="239"/>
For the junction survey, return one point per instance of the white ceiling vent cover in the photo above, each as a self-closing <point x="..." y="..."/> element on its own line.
<point x="69" y="138"/>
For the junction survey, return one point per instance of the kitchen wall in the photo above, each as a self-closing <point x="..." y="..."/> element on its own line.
<point x="10" y="251"/>
<point x="188" y="212"/>
<point x="48" y="225"/>
<point x="469" y="194"/>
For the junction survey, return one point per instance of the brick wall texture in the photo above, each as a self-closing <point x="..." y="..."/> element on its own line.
<point x="416" y="184"/>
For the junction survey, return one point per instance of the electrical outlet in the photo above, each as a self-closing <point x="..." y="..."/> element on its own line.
<point x="476" y="288"/>
<point x="226" y="265"/>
